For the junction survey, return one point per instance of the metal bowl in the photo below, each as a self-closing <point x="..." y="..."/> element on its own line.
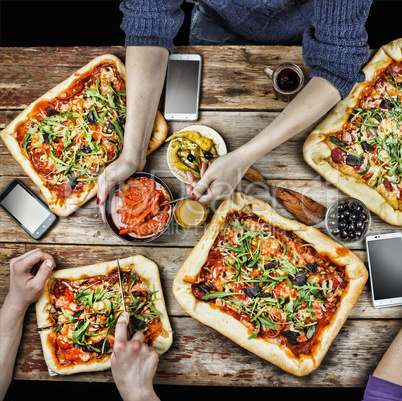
<point x="109" y="207"/>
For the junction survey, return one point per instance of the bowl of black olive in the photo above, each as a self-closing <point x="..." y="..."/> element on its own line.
<point x="348" y="220"/>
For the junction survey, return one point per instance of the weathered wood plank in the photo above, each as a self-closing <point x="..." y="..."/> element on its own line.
<point x="201" y="356"/>
<point x="233" y="76"/>
<point x="236" y="129"/>
<point x="85" y="226"/>
<point x="61" y="56"/>
<point x="233" y="82"/>
<point x="169" y="261"/>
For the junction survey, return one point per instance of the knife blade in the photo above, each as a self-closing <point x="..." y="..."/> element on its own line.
<point x="130" y="332"/>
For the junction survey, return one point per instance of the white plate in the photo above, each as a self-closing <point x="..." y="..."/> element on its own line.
<point x="208" y="132"/>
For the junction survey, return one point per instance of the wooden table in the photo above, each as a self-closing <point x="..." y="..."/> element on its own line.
<point x="236" y="100"/>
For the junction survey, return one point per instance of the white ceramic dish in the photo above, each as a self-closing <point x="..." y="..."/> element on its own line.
<point x="208" y="132"/>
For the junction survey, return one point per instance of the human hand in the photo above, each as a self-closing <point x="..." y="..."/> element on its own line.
<point x="117" y="172"/>
<point x="26" y="279"/>
<point x="219" y="180"/>
<point x="133" y="364"/>
<point x="193" y="181"/>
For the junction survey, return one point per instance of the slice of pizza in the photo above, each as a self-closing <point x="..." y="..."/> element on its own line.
<point x="68" y="136"/>
<point x="275" y="286"/>
<point x="358" y="146"/>
<point x="79" y="308"/>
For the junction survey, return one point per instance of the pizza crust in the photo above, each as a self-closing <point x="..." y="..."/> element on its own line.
<point x="146" y="268"/>
<point x="159" y="133"/>
<point x="64" y="207"/>
<point x="316" y="151"/>
<point x="232" y="328"/>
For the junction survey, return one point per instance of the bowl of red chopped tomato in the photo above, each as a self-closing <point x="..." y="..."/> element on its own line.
<point x="134" y="209"/>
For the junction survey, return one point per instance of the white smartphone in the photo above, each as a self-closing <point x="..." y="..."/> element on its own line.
<point x="26" y="209"/>
<point x="182" y="91"/>
<point x="384" y="253"/>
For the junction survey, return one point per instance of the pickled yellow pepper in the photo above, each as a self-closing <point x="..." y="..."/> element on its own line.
<point x="204" y="143"/>
<point x="189" y="150"/>
<point x="177" y="162"/>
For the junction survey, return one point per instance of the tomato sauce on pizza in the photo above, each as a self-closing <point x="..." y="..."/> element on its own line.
<point x="272" y="281"/>
<point x="71" y="138"/>
<point x="84" y="314"/>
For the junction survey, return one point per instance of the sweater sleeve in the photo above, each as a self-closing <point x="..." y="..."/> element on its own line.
<point x="335" y="45"/>
<point x="382" y="390"/>
<point x="151" y="22"/>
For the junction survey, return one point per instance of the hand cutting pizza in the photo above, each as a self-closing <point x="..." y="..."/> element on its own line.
<point x="79" y="308"/>
<point x="133" y="364"/>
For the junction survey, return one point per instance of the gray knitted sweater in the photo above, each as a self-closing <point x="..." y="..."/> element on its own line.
<point x="332" y="32"/>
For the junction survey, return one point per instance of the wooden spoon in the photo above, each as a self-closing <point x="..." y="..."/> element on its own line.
<point x="302" y="207"/>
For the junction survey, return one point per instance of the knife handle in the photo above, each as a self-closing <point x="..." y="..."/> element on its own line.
<point x="130" y="331"/>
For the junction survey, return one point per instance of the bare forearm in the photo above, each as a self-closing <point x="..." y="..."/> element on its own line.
<point x="11" y="322"/>
<point x="390" y="367"/>
<point x="316" y="99"/>
<point x="145" y="74"/>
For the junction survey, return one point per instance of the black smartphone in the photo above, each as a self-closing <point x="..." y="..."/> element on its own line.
<point x="182" y="87"/>
<point x="384" y="253"/>
<point x="27" y="210"/>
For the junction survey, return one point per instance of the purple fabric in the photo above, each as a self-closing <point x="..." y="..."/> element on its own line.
<point x="382" y="390"/>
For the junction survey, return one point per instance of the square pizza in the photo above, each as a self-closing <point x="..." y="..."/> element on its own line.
<point x="67" y="137"/>
<point x="275" y="286"/>
<point x="358" y="146"/>
<point x="79" y="308"/>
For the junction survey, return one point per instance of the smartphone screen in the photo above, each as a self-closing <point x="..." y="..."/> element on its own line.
<point x="385" y="262"/>
<point x="26" y="209"/>
<point x="182" y="87"/>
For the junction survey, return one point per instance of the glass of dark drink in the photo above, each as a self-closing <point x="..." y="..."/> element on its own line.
<point x="287" y="80"/>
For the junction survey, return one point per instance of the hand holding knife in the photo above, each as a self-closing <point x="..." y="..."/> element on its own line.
<point x="130" y="331"/>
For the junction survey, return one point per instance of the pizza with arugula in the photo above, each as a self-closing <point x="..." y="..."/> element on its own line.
<point x="68" y="136"/>
<point x="358" y="147"/>
<point x="79" y="308"/>
<point x="275" y="286"/>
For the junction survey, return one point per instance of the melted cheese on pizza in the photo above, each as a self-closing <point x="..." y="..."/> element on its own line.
<point x="84" y="314"/>
<point x="272" y="281"/>
<point x="70" y="139"/>
<point x="371" y="141"/>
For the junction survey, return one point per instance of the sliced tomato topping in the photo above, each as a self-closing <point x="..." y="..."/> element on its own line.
<point x="63" y="344"/>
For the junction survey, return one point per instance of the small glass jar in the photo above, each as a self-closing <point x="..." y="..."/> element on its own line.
<point x="348" y="220"/>
<point x="189" y="213"/>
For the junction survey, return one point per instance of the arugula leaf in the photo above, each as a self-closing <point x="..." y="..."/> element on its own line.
<point x="79" y="331"/>
<point x="31" y="131"/>
<point x="218" y="294"/>
<point x="337" y="141"/>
